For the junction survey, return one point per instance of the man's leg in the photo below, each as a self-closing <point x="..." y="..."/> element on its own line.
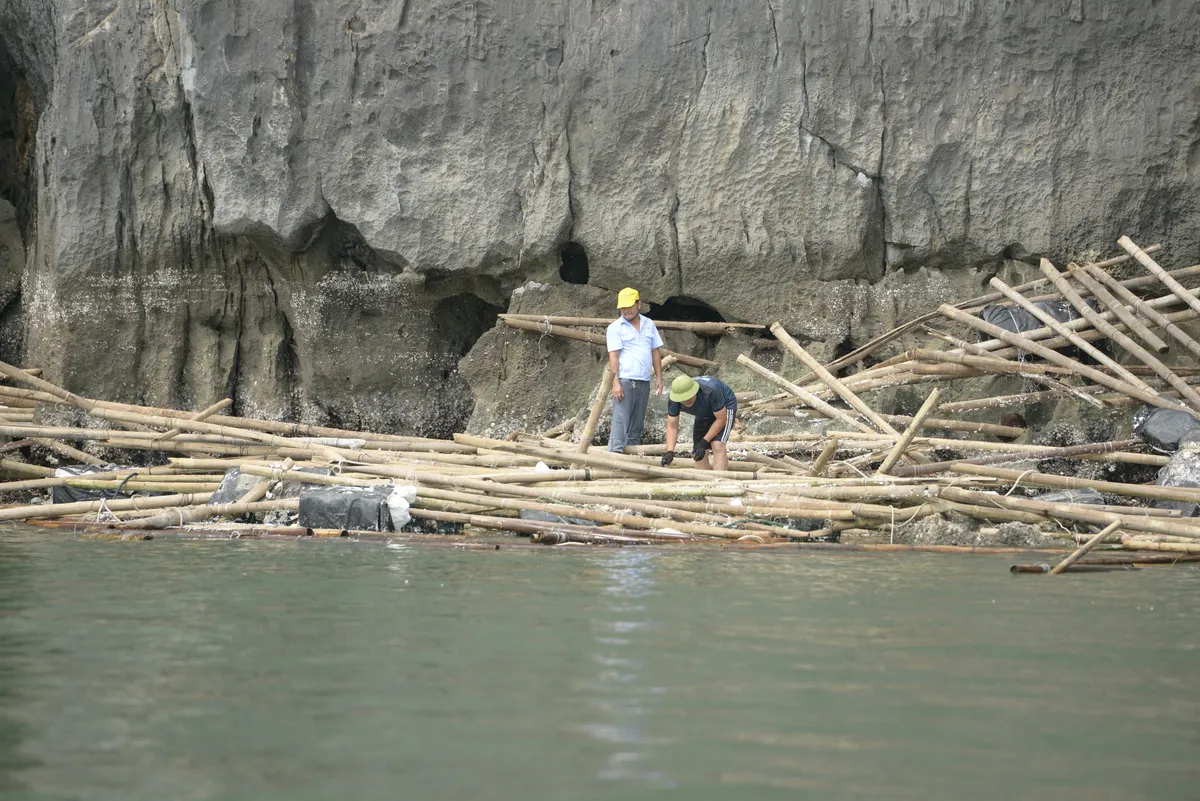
<point x="720" y="453"/>
<point x="639" y="393"/>
<point x="699" y="429"/>
<point x="618" y="434"/>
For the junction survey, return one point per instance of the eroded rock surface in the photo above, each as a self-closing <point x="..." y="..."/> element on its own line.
<point x="318" y="207"/>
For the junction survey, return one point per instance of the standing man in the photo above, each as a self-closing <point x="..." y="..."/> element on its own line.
<point x="715" y="407"/>
<point x="633" y="345"/>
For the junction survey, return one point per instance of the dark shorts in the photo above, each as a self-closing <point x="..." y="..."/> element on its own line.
<point x="702" y="424"/>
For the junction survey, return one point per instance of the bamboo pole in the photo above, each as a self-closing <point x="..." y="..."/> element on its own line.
<point x="827" y="453"/>
<point x="597" y="339"/>
<point x="1144" y="491"/>
<point x="974" y="304"/>
<point x="1106" y="299"/>
<point x="19" y="375"/>
<point x="1080" y="324"/>
<point x="24" y="469"/>
<point x="61" y="448"/>
<point x="1151" y="266"/>
<point x="1144" y="309"/>
<point x="1050" y="452"/>
<point x="1136" y="544"/>
<point x="589" y="428"/>
<point x="1000" y="401"/>
<point x="803" y="395"/>
<point x="1143" y="355"/>
<point x="1018" y="341"/>
<point x="615" y="461"/>
<point x="1058" y="328"/>
<point x="830" y="381"/>
<point x="87" y="507"/>
<point x="204" y="415"/>
<point x="1087" y="546"/>
<point x="1079" y="512"/>
<point x="535" y="526"/>
<point x="601" y="322"/>
<point x="907" y="437"/>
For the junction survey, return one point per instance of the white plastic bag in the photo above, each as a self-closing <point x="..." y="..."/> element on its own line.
<point x="398" y="502"/>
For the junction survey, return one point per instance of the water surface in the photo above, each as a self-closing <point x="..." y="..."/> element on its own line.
<point x="339" y="670"/>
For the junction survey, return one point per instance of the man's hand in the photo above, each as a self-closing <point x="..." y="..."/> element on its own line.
<point x="618" y="392"/>
<point x="668" y="457"/>
<point x="699" y="448"/>
<point x="658" y="385"/>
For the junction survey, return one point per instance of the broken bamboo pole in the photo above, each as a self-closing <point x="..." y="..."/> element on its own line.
<point x="907" y="437"/>
<point x="598" y="404"/>
<point x="822" y="460"/>
<point x="1087" y="546"/>
<point x="203" y="415"/>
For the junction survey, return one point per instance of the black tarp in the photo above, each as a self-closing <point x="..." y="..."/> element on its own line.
<point x="346" y="508"/>
<point x="1165" y="429"/>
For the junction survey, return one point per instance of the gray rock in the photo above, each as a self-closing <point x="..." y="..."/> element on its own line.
<point x="318" y="207"/>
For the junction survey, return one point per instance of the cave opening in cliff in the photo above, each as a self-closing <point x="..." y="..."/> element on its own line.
<point x="573" y="263"/>
<point x="458" y="323"/>
<point x="18" y="124"/>
<point x="686" y="309"/>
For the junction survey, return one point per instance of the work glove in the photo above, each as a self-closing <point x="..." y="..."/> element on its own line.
<point x="668" y="457"/>
<point x="699" y="448"/>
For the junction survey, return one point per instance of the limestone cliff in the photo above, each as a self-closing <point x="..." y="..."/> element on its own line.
<point x="319" y="206"/>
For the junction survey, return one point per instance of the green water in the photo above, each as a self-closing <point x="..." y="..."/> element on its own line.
<point x="338" y="670"/>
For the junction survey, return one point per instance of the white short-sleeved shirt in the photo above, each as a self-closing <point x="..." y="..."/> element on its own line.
<point x="635" y="360"/>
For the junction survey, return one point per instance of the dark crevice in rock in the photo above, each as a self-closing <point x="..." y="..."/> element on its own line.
<point x="348" y="247"/>
<point x="673" y="223"/>
<point x="704" y="50"/>
<point x="839" y="155"/>
<point x="235" y="374"/>
<point x="843" y="348"/>
<point x="573" y="263"/>
<point x="687" y="309"/>
<point x="803" y="82"/>
<point x="570" y="174"/>
<point x="774" y="33"/>
<point x="879" y="188"/>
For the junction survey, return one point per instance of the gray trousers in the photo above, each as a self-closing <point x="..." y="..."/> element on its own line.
<point x="629" y="415"/>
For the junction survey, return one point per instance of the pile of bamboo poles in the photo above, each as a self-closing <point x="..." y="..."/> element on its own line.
<point x="846" y="468"/>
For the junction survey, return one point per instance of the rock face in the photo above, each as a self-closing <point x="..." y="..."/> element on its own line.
<point x="319" y="207"/>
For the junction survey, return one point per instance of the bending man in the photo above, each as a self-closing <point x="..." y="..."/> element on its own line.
<point x="715" y="407"/>
<point x="633" y="345"/>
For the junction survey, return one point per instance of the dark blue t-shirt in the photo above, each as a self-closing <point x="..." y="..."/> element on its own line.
<point x="714" y="395"/>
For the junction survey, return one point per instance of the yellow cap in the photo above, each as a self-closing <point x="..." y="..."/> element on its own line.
<point x="627" y="297"/>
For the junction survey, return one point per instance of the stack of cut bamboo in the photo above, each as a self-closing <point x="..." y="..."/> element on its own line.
<point x="864" y="472"/>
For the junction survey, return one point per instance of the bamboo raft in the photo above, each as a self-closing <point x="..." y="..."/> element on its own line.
<point x="847" y="470"/>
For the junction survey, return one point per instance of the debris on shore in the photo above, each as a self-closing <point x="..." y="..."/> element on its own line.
<point x="844" y="477"/>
